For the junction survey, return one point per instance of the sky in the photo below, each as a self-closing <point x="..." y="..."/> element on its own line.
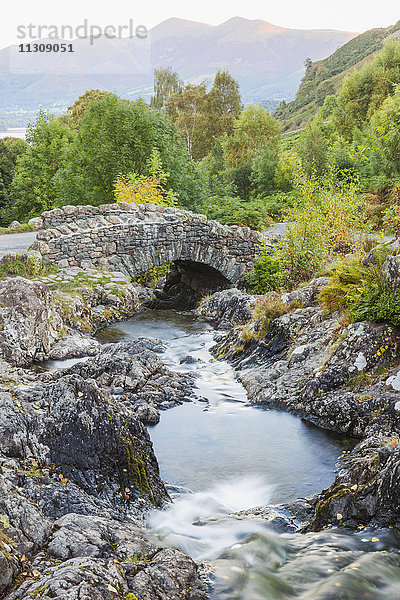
<point x="348" y="15"/>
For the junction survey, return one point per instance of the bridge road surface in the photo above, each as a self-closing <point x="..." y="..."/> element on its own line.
<point x="16" y="242"/>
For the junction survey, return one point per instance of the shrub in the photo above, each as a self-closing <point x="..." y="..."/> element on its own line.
<point x="230" y="210"/>
<point x="23" y="266"/>
<point x="142" y="189"/>
<point x="277" y="204"/>
<point x="266" y="275"/>
<point x="326" y="220"/>
<point x="378" y="305"/>
<point x="268" y="308"/>
<point x="361" y="292"/>
<point x="151" y="276"/>
<point x="391" y="217"/>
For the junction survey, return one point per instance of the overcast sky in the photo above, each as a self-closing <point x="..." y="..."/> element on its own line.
<point x="348" y="15"/>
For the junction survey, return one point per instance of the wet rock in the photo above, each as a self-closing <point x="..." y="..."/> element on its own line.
<point x="28" y="527"/>
<point x="340" y="379"/>
<point x="96" y="558"/>
<point x="77" y="535"/>
<point x="170" y="575"/>
<point x="29" y="321"/>
<point x="366" y="489"/>
<point x="188" y="360"/>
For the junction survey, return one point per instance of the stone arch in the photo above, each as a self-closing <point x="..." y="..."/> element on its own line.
<point x="134" y="238"/>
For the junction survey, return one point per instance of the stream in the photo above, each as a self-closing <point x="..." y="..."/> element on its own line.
<point x="220" y="455"/>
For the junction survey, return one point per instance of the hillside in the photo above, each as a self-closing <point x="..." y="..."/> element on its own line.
<point x="267" y="60"/>
<point x="325" y="77"/>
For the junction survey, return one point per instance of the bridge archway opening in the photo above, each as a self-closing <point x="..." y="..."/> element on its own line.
<point x="187" y="283"/>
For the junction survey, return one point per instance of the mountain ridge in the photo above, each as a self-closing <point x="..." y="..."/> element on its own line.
<point x="266" y="59"/>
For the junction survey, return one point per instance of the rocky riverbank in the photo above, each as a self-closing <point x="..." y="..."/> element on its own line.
<point x="77" y="469"/>
<point x="341" y="378"/>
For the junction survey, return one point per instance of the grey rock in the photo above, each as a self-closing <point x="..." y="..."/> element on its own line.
<point x="391" y="272"/>
<point x="307" y="295"/>
<point x="228" y="307"/>
<point x="29" y="321"/>
<point x="136" y="377"/>
<point x="74" y="346"/>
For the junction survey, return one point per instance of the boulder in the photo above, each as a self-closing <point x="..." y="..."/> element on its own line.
<point x="74" y="433"/>
<point x="29" y="321"/>
<point x="390" y="272"/>
<point x="228" y="307"/>
<point x="307" y="295"/>
<point x="74" y="346"/>
<point x="133" y="373"/>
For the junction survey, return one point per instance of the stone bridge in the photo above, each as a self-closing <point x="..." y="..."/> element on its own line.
<point x="135" y="238"/>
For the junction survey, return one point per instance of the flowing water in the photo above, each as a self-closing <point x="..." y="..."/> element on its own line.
<point x="221" y="455"/>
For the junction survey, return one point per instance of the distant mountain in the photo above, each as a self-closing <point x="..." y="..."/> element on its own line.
<point x="325" y="77"/>
<point x="267" y="60"/>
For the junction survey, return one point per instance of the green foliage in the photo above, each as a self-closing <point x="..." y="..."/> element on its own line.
<point x="235" y="211"/>
<point x="117" y="137"/>
<point x="377" y="305"/>
<point x="266" y="275"/>
<point x="223" y="106"/>
<point x="278" y="203"/>
<point x="202" y="117"/>
<point x="263" y="169"/>
<point x="365" y="90"/>
<point x="385" y="131"/>
<point x="76" y="111"/>
<point x="150" y="277"/>
<point x="33" y="187"/>
<point x="313" y="148"/>
<point x="20" y="229"/>
<point x="285" y="171"/>
<point x="325" y="220"/>
<point x="187" y="111"/>
<point x="166" y="83"/>
<point x="23" y="266"/>
<point x="348" y="281"/>
<point x="254" y="130"/>
<point x="323" y="78"/>
<point x="360" y="291"/>
<point x="10" y="149"/>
